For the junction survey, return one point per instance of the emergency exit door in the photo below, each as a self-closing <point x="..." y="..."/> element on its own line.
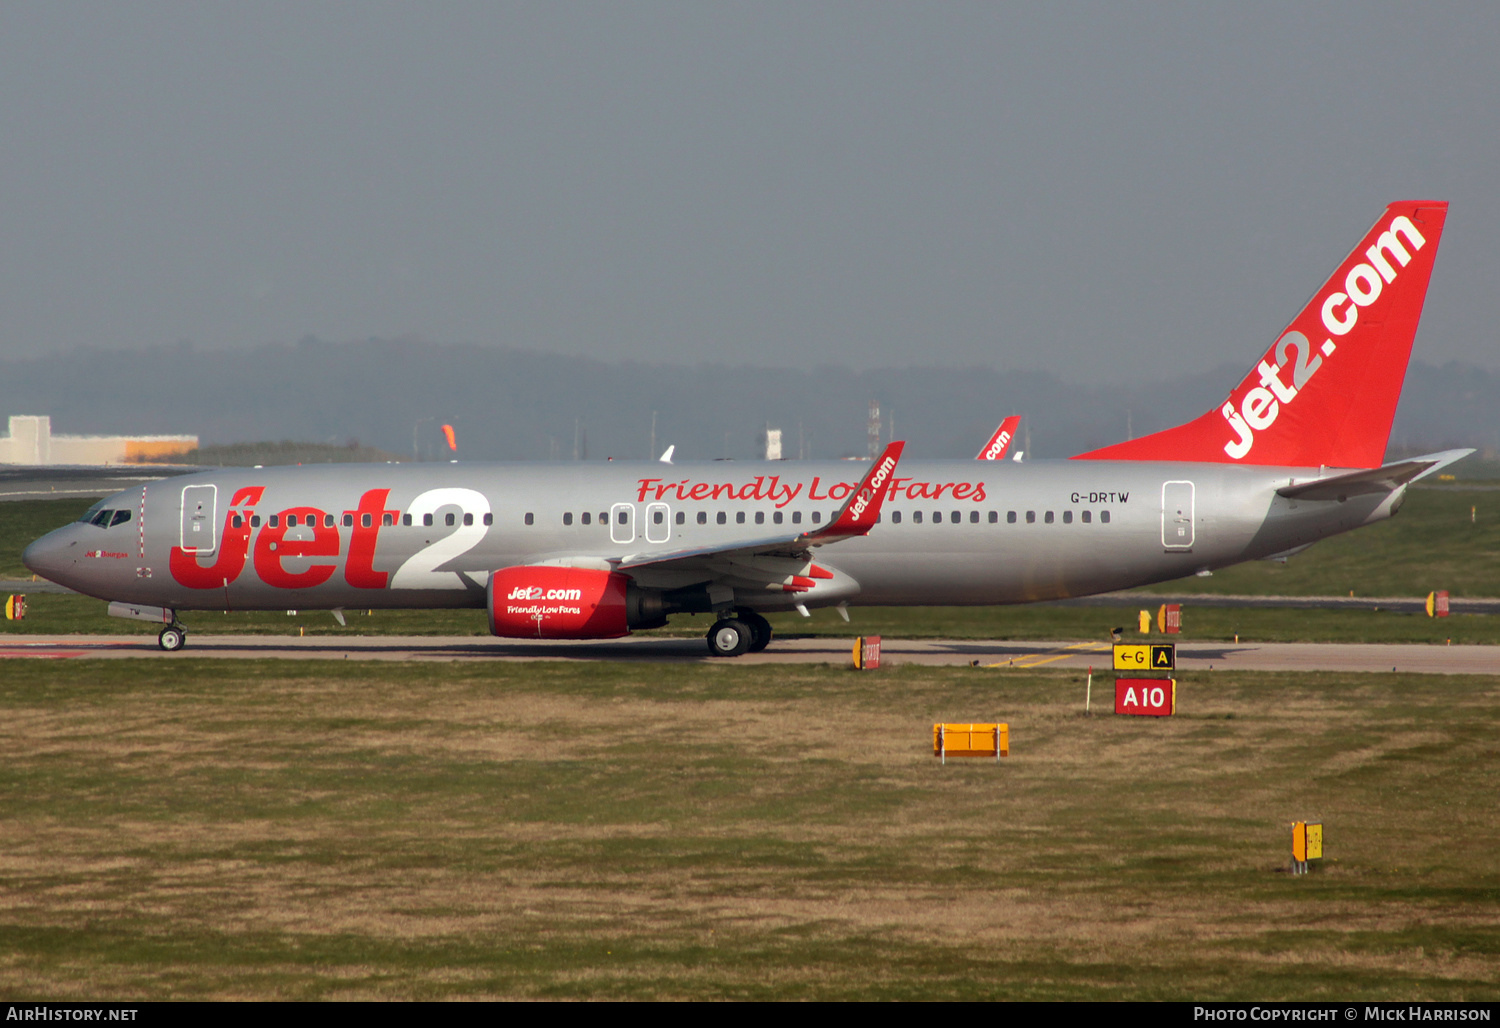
<point x="1177" y="515"/>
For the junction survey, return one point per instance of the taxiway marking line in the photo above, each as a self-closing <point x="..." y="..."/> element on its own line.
<point x="1029" y="660"/>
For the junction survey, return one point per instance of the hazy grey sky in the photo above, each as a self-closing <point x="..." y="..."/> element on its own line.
<point x="1088" y="189"/>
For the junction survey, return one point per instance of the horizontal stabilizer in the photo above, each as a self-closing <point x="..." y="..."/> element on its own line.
<point x="1377" y="480"/>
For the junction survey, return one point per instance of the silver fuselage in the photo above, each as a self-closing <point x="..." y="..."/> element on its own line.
<point x="952" y="532"/>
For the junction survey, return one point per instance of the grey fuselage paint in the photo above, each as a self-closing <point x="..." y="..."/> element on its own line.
<point x="927" y="549"/>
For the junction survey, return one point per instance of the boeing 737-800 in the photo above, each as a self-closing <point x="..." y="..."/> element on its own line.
<point x="580" y="551"/>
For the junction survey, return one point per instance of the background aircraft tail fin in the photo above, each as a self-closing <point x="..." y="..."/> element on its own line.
<point x="1326" y="391"/>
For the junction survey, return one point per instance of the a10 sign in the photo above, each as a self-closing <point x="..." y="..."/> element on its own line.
<point x="1150" y="697"/>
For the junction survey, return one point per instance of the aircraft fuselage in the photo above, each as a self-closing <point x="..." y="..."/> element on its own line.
<point x="429" y="535"/>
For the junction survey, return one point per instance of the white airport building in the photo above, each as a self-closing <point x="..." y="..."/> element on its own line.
<point x="30" y="441"/>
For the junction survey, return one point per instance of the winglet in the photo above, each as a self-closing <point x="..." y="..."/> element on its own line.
<point x="862" y="509"/>
<point x="1001" y="440"/>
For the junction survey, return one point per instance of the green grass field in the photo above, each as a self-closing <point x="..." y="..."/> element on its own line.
<point x="218" y="829"/>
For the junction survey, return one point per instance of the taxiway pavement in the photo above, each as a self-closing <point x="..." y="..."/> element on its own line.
<point x="984" y="654"/>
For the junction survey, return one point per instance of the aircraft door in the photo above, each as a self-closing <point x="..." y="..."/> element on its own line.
<point x="199" y="519"/>
<point x="622" y="523"/>
<point x="658" y="523"/>
<point x="1177" y="515"/>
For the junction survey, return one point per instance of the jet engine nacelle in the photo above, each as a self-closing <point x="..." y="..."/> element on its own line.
<point x="548" y="602"/>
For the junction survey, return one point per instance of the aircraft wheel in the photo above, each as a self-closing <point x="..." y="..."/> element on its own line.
<point x="729" y="638"/>
<point x="171" y="639"/>
<point x="760" y="630"/>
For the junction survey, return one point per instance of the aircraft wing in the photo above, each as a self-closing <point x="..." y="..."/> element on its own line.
<point x="856" y="517"/>
<point x="1385" y="479"/>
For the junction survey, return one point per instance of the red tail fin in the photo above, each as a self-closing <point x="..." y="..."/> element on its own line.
<point x="1000" y="442"/>
<point x="1326" y="391"/>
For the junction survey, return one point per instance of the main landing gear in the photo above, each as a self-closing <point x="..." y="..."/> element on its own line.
<point x="172" y="638"/>
<point x="745" y="632"/>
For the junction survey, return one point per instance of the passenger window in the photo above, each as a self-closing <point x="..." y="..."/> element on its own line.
<point x="776" y="517"/>
<point x="585" y="518"/>
<point x="1087" y="516"/>
<point x="817" y="517"/>
<point x="956" y="517"/>
<point x="291" y="521"/>
<point x="348" y="520"/>
<point x="703" y="517"/>
<point x="739" y="517"/>
<point x="1048" y="517"/>
<point x="237" y="521"/>
<point x="406" y="520"/>
<point x="275" y="521"/>
<point x="937" y="517"/>
<point x="722" y="518"/>
<point x="530" y="518"/>
<point x="568" y="518"/>
<point x="427" y="520"/>
<point x="681" y="518"/>
<point x="1031" y="517"/>
<point x="365" y="520"/>
<point x="657" y="517"/>
<point x="621" y="517"/>
<point x="1010" y="517"/>
<point x="604" y="517"/>
<point x="1104" y="517"/>
<point x="448" y="518"/>
<point x="468" y="517"/>
<point x="973" y="517"/>
<point x="916" y="517"/>
<point x="995" y="517"/>
<point x="895" y="517"/>
<point x="328" y="520"/>
<point x="387" y="520"/>
<point x="489" y="519"/>
<point x="796" y="517"/>
<point x="760" y="517"/>
<point x="1067" y="517"/>
<point x="254" y="520"/>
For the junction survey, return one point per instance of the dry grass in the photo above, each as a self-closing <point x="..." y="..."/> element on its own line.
<point x="212" y="829"/>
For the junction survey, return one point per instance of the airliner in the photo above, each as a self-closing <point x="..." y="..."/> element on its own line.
<point x="1294" y="454"/>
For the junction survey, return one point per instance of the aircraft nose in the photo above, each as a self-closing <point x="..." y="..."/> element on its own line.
<point x="50" y="554"/>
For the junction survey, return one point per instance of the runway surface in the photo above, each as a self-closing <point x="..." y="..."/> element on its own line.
<point x="985" y="654"/>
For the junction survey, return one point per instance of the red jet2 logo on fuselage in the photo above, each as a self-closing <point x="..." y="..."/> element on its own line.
<point x="272" y="547"/>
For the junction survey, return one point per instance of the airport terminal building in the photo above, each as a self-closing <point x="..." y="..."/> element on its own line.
<point x="30" y="441"/>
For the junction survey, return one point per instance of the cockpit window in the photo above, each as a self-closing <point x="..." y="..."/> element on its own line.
<point x="121" y="516"/>
<point x="102" y="518"/>
<point x="87" y="517"/>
